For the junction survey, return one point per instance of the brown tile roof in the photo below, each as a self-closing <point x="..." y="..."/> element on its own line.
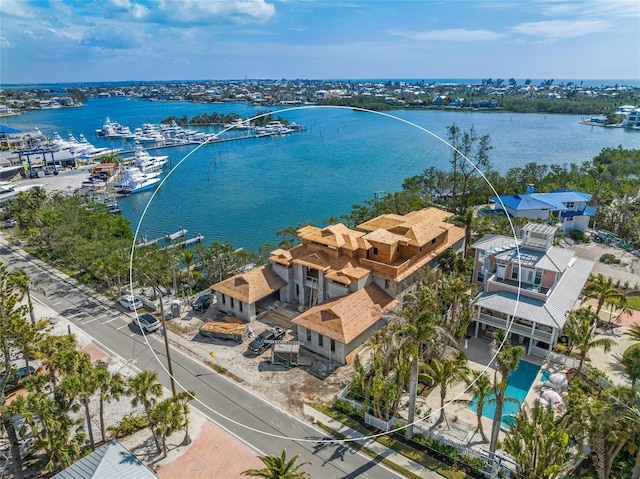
<point x="418" y="227"/>
<point x="345" y="318"/>
<point x="334" y="236"/>
<point x="251" y="286"/>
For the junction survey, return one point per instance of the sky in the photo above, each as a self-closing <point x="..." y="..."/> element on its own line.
<point x="52" y="41"/>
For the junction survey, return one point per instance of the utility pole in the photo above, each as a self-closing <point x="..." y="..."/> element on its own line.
<point x="166" y="345"/>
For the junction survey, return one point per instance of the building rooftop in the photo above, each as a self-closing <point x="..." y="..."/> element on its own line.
<point x="345" y="318"/>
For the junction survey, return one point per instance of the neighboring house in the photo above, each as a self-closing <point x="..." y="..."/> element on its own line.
<point x="110" y="461"/>
<point x="335" y="262"/>
<point x="569" y="206"/>
<point x="526" y="287"/>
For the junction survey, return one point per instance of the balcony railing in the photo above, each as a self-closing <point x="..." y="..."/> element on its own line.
<point x="532" y="290"/>
<point x="517" y="328"/>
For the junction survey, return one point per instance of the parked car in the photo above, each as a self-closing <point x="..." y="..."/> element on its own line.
<point x="16" y="377"/>
<point x="203" y="302"/>
<point x="148" y="322"/>
<point x="22" y="372"/>
<point x="10" y="223"/>
<point x="259" y="345"/>
<point x="130" y="302"/>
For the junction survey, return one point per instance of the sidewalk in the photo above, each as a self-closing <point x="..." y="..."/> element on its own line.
<point x="371" y="444"/>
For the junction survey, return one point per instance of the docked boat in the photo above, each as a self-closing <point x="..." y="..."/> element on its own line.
<point x="146" y="162"/>
<point x="149" y="133"/>
<point x="135" y="181"/>
<point x="114" y="130"/>
<point x="9" y="171"/>
<point x="273" y="128"/>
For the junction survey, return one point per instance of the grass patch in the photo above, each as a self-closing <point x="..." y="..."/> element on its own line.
<point x="633" y="302"/>
<point x="420" y="457"/>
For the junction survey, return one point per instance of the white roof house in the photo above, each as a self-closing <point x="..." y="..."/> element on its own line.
<point x="526" y="286"/>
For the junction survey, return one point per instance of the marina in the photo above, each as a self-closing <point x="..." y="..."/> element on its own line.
<point x="244" y="191"/>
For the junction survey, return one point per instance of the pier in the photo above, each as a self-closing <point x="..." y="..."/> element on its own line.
<point x="196" y="239"/>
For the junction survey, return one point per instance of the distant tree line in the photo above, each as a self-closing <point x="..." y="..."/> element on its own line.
<point x="220" y="119"/>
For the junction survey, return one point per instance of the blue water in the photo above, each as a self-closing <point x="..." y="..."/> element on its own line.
<point x="518" y="385"/>
<point x="243" y="192"/>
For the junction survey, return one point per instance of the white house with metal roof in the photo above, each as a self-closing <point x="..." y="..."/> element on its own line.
<point x="526" y="286"/>
<point x="569" y="206"/>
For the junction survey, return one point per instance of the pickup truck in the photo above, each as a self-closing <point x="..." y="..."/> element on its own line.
<point x="259" y="345"/>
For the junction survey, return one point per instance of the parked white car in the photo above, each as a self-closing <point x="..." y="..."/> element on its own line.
<point x="147" y="322"/>
<point x="130" y="302"/>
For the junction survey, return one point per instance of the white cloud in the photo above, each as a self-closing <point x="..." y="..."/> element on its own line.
<point x="238" y="11"/>
<point x="562" y="28"/>
<point x="452" y="35"/>
<point x="136" y="10"/>
<point x="16" y="8"/>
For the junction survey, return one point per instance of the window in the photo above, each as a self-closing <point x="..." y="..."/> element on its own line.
<point x="232" y="305"/>
<point x="569" y="219"/>
<point x="308" y="336"/>
<point x="297" y="290"/>
<point x="240" y="306"/>
<point x="433" y="241"/>
<point x="320" y="340"/>
<point x="480" y="276"/>
<point x="538" y="279"/>
<point x="224" y="299"/>
<point x="375" y="251"/>
<point x="514" y="272"/>
<point x="570" y="204"/>
<point x="333" y="345"/>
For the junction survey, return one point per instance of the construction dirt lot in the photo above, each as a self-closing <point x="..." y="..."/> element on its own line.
<point x="287" y="386"/>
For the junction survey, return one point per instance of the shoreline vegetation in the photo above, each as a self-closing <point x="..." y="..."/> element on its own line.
<point x="491" y="95"/>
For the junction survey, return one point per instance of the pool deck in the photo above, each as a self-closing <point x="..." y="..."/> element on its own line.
<point x="460" y="424"/>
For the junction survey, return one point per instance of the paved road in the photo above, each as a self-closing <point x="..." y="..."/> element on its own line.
<point x="239" y="411"/>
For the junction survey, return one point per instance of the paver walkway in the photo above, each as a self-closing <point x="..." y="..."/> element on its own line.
<point x="213" y="453"/>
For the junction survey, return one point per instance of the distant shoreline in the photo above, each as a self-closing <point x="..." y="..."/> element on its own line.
<point x="584" y="82"/>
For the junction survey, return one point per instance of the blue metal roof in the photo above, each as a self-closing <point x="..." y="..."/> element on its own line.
<point x="541" y="201"/>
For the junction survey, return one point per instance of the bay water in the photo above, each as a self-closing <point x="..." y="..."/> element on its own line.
<point x="244" y="191"/>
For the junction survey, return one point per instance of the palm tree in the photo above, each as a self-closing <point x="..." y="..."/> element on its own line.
<point x="183" y="398"/>
<point x="634" y="332"/>
<point x="443" y="374"/>
<point x="278" y="467"/>
<point x="538" y="442"/>
<point x="579" y="330"/>
<point x="482" y="391"/>
<point x="507" y="361"/>
<point x="188" y="256"/>
<point x="631" y="363"/>
<point x="21" y="280"/>
<point x="110" y="387"/>
<point x="602" y="290"/>
<point x="166" y="417"/>
<point x="145" y="388"/>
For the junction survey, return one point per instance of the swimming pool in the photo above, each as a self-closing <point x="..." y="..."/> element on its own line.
<point x="518" y="385"/>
